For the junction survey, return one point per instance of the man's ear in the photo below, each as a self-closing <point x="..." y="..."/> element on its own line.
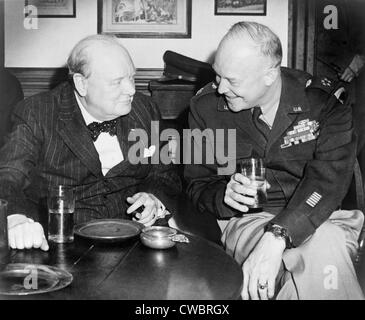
<point x="80" y="83"/>
<point x="271" y="75"/>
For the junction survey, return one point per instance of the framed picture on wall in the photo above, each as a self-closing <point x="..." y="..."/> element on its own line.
<point x="51" y="8"/>
<point x="145" y="18"/>
<point x="240" y="7"/>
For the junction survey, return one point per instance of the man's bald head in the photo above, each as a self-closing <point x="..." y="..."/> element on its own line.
<point x="87" y="50"/>
<point x="103" y="76"/>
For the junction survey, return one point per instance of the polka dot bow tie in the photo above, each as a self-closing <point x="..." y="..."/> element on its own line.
<point x="107" y="126"/>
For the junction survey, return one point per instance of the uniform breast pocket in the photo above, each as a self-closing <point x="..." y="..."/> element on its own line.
<point x="243" y="150"/>
<point x="301" y="151"/>
<point x="229" y="156"/>
<point x="231" y="152"/>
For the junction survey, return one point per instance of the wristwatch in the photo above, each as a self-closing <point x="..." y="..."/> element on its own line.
<point x="280" y="232"/>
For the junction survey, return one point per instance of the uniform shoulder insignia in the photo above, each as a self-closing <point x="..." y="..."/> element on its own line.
<point x="323" y="83"/>
<point x="210" y="87"/>
<point x="332" y="87"/>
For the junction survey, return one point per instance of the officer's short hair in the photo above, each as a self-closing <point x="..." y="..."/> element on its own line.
<point x="268" y="42"/>
<point x="79" y="59"/>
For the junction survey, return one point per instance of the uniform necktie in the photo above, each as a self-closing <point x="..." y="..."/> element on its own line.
<point x="260" y="124"/>
<point x="98" y="127"/>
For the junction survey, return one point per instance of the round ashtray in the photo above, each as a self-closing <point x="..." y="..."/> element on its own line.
<point x="161" y="237"/>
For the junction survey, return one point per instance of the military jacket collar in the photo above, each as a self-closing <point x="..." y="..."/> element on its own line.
<point x="293" y="102"/>
<point x="293" y="98"/>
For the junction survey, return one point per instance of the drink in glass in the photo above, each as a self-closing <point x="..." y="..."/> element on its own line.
<point x="254" y="169"/>
<point x="61" y="207"/>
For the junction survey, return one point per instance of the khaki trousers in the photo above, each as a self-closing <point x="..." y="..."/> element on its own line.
<point x="320" y="268"/>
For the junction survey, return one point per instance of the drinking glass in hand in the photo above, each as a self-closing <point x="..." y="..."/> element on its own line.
<point x="254" y="169"/>
<point x="61" y="207"/>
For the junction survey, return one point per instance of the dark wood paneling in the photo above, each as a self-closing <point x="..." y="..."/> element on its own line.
<point x="311" y="36"/>
<point x="35" y="80"/>
<point x="301" y="35"/>
<point x="2" y="33"/>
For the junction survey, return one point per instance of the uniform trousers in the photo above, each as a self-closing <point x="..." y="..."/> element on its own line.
<point x="320" y="268"/>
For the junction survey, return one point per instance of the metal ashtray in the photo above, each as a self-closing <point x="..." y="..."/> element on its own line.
<point x="161" y="237"/>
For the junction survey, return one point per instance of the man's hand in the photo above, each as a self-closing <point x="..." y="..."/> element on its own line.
<point x="348" y="75"/>
<point x="262" y="267"/>
<point x="24" y="233"/>
<point x="149" y="215"/>
<point x="353" y="69"/>
<point x="240" y="193"/>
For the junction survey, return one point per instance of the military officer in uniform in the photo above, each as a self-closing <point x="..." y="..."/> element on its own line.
<point x="300" y="245"/>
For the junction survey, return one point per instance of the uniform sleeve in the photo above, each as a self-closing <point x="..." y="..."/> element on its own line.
<point x="18" y="160"/>
<point x="205" y="188"/>
<point x="326" y="178"/>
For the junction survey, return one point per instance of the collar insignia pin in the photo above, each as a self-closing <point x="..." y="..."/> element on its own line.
<point x="297" y="109"/>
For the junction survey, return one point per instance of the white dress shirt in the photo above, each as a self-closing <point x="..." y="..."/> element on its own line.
<point x="269" y="115"/>
<point x="110" y="153"/>
<point x="107" y="146"/>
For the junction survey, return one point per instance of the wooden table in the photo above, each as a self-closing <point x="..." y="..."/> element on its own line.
<point x="129" y="270"/>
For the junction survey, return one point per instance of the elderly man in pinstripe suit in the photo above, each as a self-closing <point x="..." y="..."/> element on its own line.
<point x="77" y="135"/>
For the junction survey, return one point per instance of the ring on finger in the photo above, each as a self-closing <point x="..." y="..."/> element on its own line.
<point x="262" y="286"/>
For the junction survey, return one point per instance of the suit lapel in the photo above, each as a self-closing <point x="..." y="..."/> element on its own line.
<point x="74" y="132"/>
<point x="293" y="102"/>
<point x="125" y="125"/>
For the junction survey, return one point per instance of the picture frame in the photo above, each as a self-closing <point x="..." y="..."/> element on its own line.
<point x="145" y="18"/>
<point x="52" y="8"/>
<point x="240" y="7"/>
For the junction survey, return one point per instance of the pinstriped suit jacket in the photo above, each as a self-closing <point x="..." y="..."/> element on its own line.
<point x="50" y="144"/>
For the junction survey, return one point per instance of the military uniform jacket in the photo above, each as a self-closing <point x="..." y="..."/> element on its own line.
<point x="50" y="144"/>
<point x="311" y="170"/>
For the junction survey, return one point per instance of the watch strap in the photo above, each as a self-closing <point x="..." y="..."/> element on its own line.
<point x="280" y="232"/>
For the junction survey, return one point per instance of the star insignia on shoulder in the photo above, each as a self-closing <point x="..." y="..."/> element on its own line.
<point x="326" y="82"/>
<point x="323" y="83"/>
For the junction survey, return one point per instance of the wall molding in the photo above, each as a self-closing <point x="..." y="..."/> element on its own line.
<point x="35" y="80"/>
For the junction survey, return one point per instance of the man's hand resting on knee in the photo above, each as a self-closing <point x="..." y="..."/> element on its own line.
<point x="261" y="268"/>
<point x="24" y="233"/>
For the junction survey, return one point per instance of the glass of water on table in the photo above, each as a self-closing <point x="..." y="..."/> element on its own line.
<point x="254" y="169"/>
<point x="61" y="207"/>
